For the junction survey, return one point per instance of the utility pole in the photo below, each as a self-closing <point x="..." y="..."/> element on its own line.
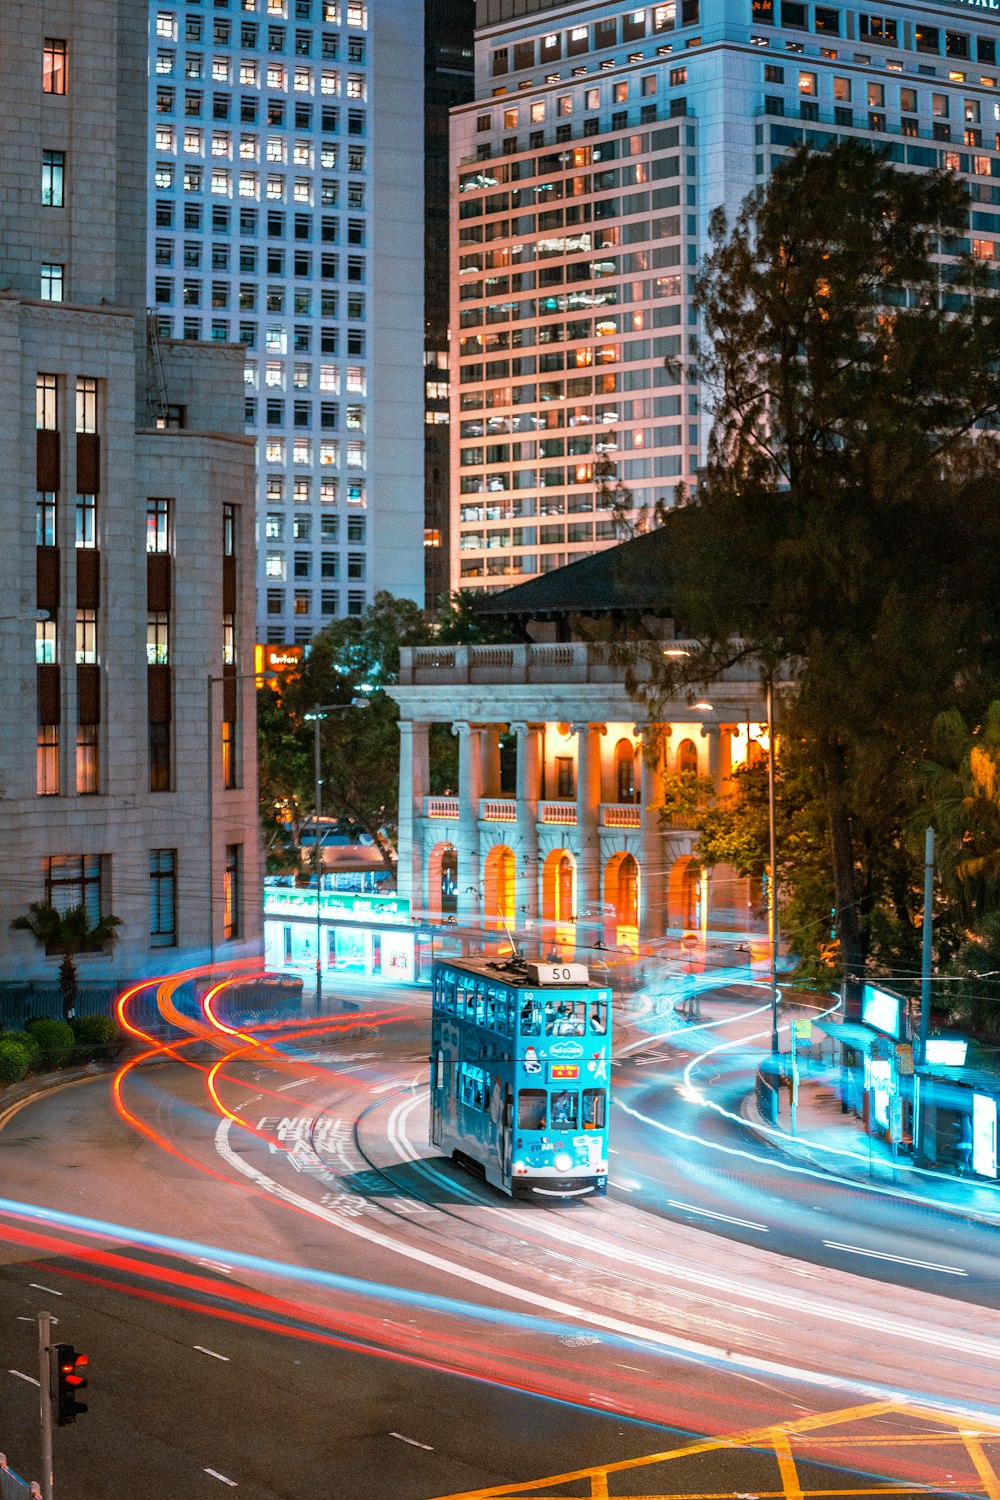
<point x="926" y="946"/>
<point x="772" y="875"/>
<point x="45" y="1398"/>
<point x="318" y="717"/>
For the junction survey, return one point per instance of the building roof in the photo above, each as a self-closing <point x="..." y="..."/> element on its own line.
<point x="635" y="577"/>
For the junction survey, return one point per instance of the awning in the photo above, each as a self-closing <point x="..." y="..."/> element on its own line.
<point x="853" y="1034"/>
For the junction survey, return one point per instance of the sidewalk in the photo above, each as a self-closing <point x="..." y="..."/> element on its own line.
<point x="836" y="1143"/>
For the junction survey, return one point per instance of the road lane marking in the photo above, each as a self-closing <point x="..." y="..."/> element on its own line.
<point x="902" y="1260"/>
<point x="412" y="1442"/>
<point x="21" y="1376"/>
<point x="39" y="1288"/>
<point x="211" y="1352"/>
<point x="725" y="1218"/>
<point x="296" y="1083"/>
<point x="657" y="1338"/>
<point x="216" y="1475"/>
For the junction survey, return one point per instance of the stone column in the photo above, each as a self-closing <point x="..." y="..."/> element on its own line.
<point x="588" y="813"/>
<point x="526" y="851"/>
<point x="413" y="787"/>
<point x="470" y="901"/>
<point x="705" y="875"/>
<point x="652" y="913"/>
<point x="489" y="743"/>
<point x="720" y="755"/>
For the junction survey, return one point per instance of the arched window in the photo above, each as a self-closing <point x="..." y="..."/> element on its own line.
<point x="564" y="887"/>
<point x="687" y="757"/>
<point x="625" y="771"/>
<point x="449" y="880"/>
<point x="628" y="892"/>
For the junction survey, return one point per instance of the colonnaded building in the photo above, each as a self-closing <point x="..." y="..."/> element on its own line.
<point x="127" y="574"/>
<point x="601" y="138"/>
<point x="561" y="825"/>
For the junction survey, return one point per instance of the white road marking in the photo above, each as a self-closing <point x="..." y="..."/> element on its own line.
<point x="21" y="1376"/>
<point x="296" y="1083"/>
<point x="902" y="1260"/>
<point x="384" y="1088"/>
<point x="39" y="1288"/>
<point x="628" y="1367"/>
<point x="216" y="1475"/>
<point x="412" y="1442"/>
<point x="707" y="1213"/>
<point x="658" y="1339"/>
<point x="623" y="1186"/>
<point x="217" y="1265"/>
<point x="202" y="1350"/>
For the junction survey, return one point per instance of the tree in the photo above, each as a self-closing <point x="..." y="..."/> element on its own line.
<point x="70" y="933"/>
<point x="846" y="530"/>
<point x="357" y="657"/>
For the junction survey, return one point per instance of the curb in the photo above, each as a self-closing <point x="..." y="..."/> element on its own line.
<point x="751" y="1117"/>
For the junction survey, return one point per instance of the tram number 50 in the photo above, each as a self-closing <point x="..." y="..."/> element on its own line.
<point x="563" y="973"/>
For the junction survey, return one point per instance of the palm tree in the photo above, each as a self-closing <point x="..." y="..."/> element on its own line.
<point x="67" y="932"/>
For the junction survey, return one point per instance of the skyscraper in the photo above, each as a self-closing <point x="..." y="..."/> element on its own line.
<point x="286" y="214"/>
<point x="584" y="175"/>
<point x="127" y="748"/>
<point x="448" y="35"/>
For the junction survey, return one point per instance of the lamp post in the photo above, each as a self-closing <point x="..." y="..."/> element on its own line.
<point x="319" y="713"/>
<point x="772" y="885"/>
<point x="211" y="682"/>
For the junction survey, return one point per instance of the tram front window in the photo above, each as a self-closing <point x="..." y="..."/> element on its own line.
<point x="564" y="1106"/>
<point x="593" y="1109"/>
<point x="599" y="1018"/>
<point x="531" y="1109"/>
<point x="531" y="1018"/>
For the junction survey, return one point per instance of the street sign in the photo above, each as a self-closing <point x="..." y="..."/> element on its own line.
<point x="802" y="1030"/>
<point x="904" y="1060"/>
<point x="895" y="1119"/>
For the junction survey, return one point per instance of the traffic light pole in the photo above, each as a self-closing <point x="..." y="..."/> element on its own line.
<point x="45" y="1402"/>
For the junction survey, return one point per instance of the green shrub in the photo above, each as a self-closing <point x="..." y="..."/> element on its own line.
<point x="27" y="1041"/>
<point x="95" y="1037"/>
<point x="55" y="1041"/>
<point x="13" y="1062"/>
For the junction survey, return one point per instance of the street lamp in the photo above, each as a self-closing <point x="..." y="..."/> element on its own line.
<point x="772" y="866"/>
<point x="318" y="714"/>
<point x="211" y="682"/>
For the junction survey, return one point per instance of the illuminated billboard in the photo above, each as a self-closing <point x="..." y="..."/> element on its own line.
<point x="882" y="1010"/>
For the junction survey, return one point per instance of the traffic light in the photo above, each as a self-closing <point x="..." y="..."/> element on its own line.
<point x="68" y="1381"/>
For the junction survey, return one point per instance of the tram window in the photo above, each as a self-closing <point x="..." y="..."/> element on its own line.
<point x="564" y="1018"/>
<point x="599" y="1018"/>
<point x="480" y="1004"/>
<point x="491" y="1008"/>
<point x="564" y="1109"/>
<point x="531" y="1017"/>
<point x="503" y="1011"/>
<point x="449" y="998"/>
<point x="594" y="1104"/>
<point x="531" y="1109"/>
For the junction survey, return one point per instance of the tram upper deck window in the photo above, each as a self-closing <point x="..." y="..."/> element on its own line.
<point x="565" y="1018"/>
<point x="599" y="1017"/>
<point x="594" y="1106"/>
<point x="531" y="1017"/>
<point x="531" y="1109"/>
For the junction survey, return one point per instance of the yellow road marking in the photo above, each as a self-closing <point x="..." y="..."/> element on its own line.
<point x="778" y="1437"/>
<point x="786" y="1467"/>
<point x="991" y="1486"/>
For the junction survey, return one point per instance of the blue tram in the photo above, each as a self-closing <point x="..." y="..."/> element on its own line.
<point x="520" y="1074"/>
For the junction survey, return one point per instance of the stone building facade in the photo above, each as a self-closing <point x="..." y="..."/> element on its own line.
<point x="127" y="752"/>
<point x="572" y="843"/>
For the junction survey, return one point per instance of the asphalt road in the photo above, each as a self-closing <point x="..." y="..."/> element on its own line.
<point x="437" y="1339"/>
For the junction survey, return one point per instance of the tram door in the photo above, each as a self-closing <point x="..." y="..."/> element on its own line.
<point x="437" y="1094"/>
<point x="506" y="1135"/>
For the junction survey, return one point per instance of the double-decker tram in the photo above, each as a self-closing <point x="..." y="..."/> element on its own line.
<point x="520" y="1074"/>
